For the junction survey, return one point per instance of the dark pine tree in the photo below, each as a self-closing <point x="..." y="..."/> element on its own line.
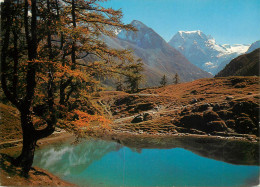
<point x="176" y="79"/>
<point x="163" y="81"/>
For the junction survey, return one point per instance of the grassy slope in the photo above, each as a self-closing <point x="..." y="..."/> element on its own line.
<point x="212" y="90"/>
<point x="10" y="127"/>
<point x="243" y="65"/>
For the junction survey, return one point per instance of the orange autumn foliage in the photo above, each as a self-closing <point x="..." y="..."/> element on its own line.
<point x="85" y="120"/>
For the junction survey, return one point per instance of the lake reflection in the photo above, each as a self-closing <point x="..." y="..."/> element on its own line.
<point x="67" y="158"/>
<point x="105" y="163"/>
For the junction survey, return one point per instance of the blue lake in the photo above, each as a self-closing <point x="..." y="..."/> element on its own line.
<point x="105" y="163"/>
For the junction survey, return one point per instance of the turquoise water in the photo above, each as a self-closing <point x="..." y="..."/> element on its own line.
<point x="103" y="163"/>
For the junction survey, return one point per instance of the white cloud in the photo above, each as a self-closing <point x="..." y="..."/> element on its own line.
<point x="209" y="64"/>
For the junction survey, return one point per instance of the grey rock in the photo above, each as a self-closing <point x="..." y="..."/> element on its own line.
<point x="194" y="100"/>
<point x="229" y="97"/>
<point x="147" y="116"/>
<point x="138" y="119"/>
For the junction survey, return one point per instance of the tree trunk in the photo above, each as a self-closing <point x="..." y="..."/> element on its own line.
<point x="25" y="160"/>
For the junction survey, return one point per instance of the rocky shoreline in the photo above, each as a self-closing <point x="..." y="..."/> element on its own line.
<point x="203" y="120"/>
<point x="231" y="150"/>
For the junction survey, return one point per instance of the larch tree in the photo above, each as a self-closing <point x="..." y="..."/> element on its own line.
<point x="133" y="75"/>
<point x="42" y="71"/>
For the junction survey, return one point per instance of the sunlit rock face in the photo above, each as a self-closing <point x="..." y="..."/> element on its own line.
<point x="145" y="37"/>
<point x="203" y="51"/>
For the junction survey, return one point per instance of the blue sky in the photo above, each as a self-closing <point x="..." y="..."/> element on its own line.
<point x="228" y="21"/>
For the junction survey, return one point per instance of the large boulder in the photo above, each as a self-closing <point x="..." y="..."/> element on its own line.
<point x="244" y="125"/>
<point x="210" y="116"/>
<point x="202" y="107"/>
<point x="217" y="126"/>
<point x="225" y="114"/>
<point x="138" y="119"/>
<point x="142" y="117"/>
<point x="194" y="100"/>
<point x="147" y="116"/>
<point x="231" y="123"/>
<point x="246" y="107"/>
<point x="194" y="121"/>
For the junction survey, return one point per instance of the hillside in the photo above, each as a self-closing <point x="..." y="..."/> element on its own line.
<point x="225" y="107"/>
<point x="244" y="65"/>
<point x="10" y="127"/>
<point x="220" y="107"/>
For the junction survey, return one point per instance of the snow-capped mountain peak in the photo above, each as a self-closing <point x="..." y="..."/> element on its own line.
<point x="117" y="31"/>
<point x="188" y="35"/>
<point x="203" y="51"/>
<point x="198" y="32"/>
<point x="236" y="48"/>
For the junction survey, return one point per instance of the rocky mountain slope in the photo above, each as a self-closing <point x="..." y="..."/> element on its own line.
<point x="244" y="65"/>
<point x="254" y="46"/>
<point x="204" y="52"/>
<point x="159" y="57"/>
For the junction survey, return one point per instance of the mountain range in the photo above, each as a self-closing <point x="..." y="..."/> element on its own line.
<point x="203" y="51"/>
<point x="158" y="56"/>
<point x="191" y="54"/>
